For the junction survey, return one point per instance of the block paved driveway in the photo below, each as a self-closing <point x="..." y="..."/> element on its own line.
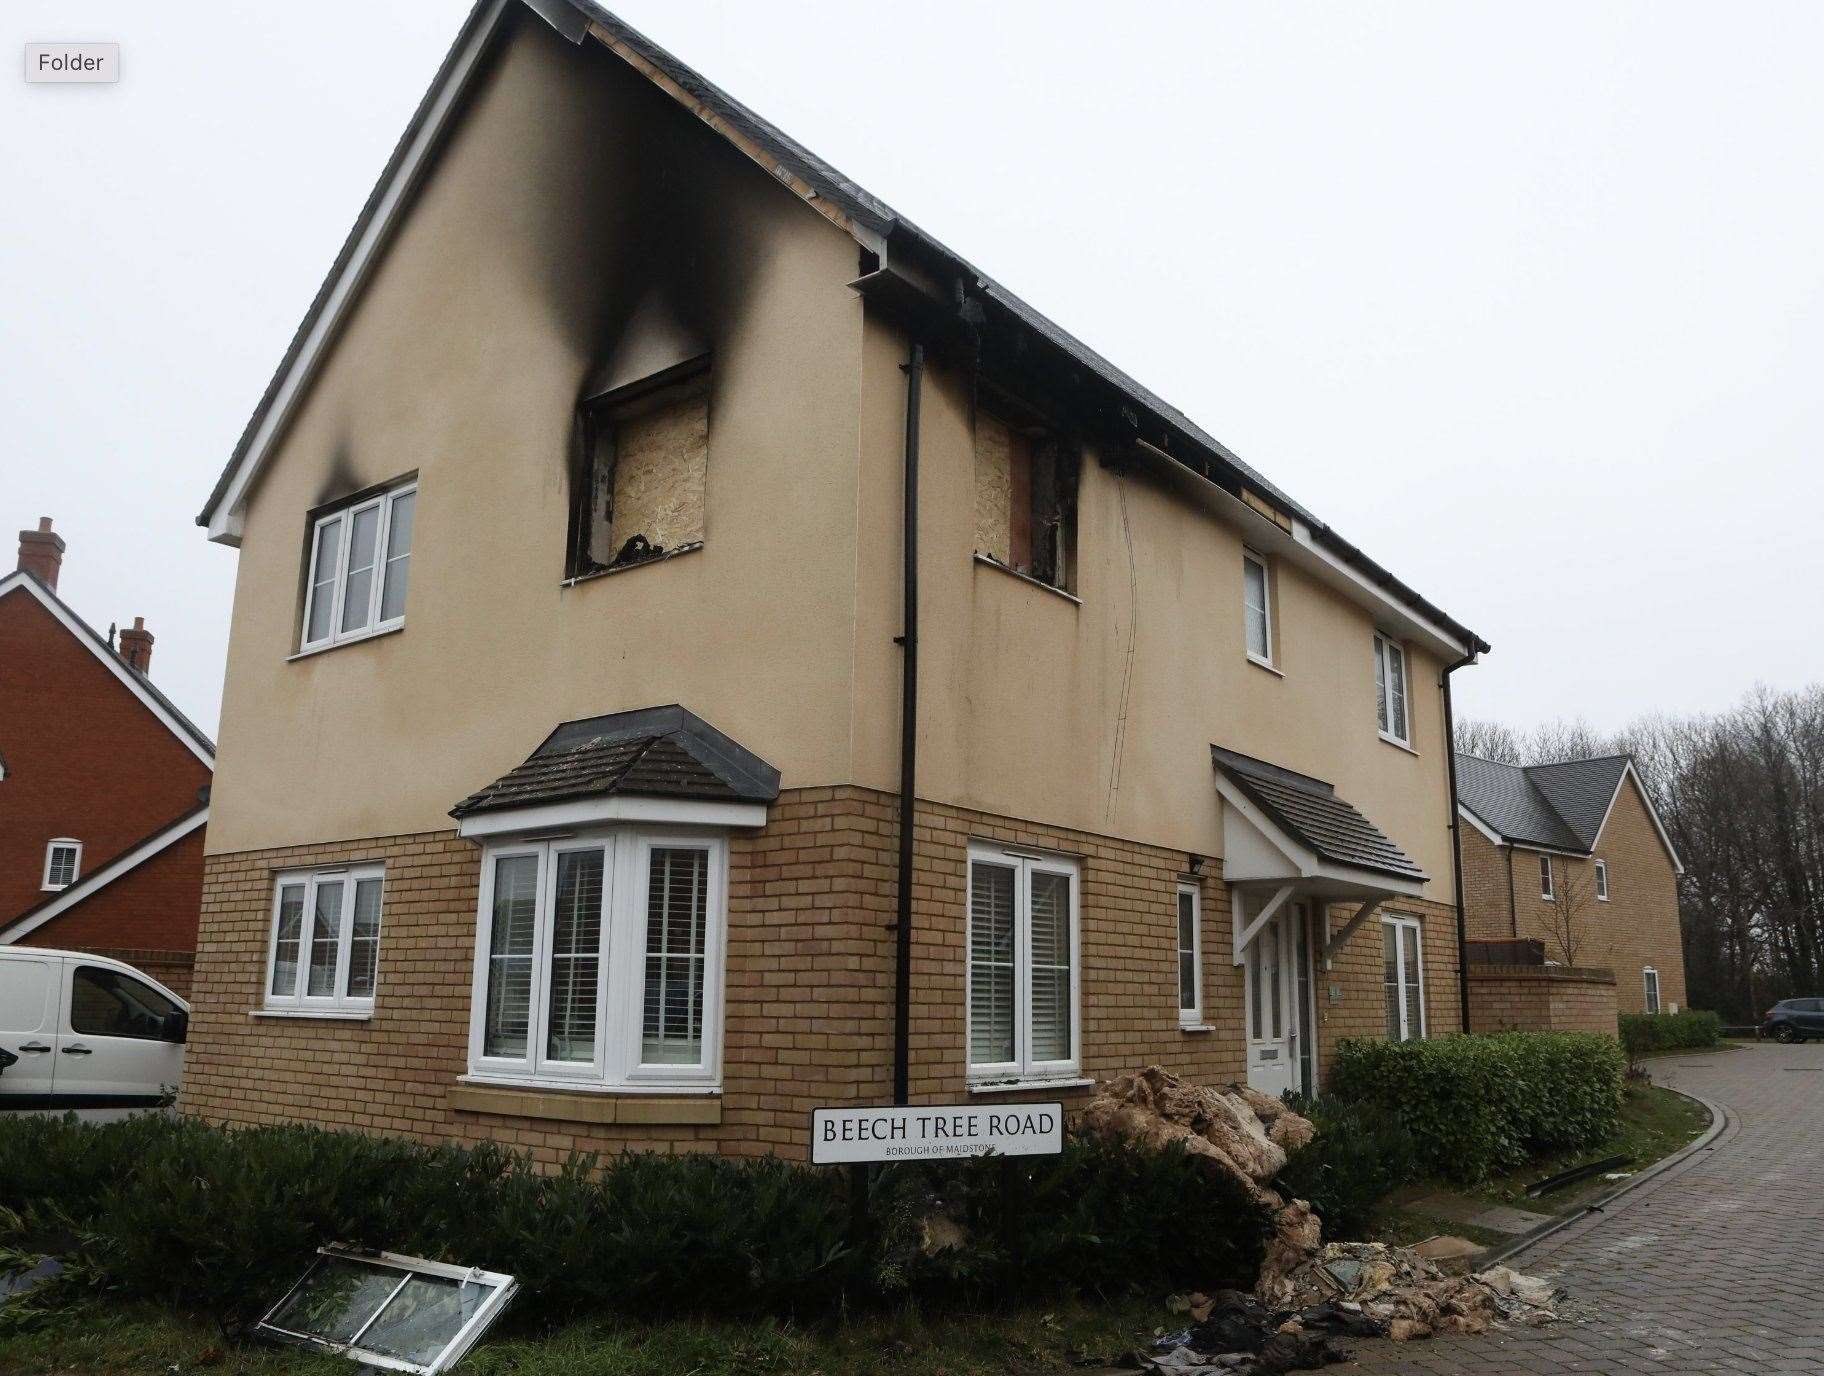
<point x="1712" y="1266"/>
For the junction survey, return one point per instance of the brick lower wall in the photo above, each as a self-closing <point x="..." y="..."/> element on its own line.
<point x="1541" y="998"/>
<point x="810" y="974"/>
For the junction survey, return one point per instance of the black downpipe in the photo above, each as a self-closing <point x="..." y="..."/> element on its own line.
<point x="908" y="736"/>
<point x="1456" y="840"/>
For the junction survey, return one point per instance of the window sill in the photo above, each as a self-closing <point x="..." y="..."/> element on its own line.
<point x="1266" y="664"/>
<point x="985" y="562"/>
<point x="315" y="1014"/>
<point x="1198" y="1029"/>
<point x="353" y="639"/>
<point x="1397" y="743"/>
<point x="679" y="552"/>
<point x="1041" y="1082"/>
<point x="601" y="1104"/>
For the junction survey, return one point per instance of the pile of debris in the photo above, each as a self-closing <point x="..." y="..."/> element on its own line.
<point x="1307" y="1293"/>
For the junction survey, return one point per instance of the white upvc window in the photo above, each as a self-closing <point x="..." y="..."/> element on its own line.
<point x="1257" y="606"/>
<point x="1649" y="978"/>
<point x="360" y="564"/>
<point x="1022" y="977"/>
<point x="1390" y="690"/>
<point x="1602" y="881"/>
<point x="1403" y="977"/>
<point x="598" y="961"/>
<point x="1547" y="890"/>
<point x="1190" y="956"/>
<point x="62" y="864"/>
<point x="324" y="953"/>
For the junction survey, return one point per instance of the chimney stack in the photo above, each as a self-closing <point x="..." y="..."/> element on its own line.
<point x="41" y="553"/>
<point x="136" y="646"/>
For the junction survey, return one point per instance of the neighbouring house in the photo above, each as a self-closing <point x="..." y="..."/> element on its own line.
<point x="104" y="783"/>
<point x="643" y="517"/>
<point x="1569" y="865"/>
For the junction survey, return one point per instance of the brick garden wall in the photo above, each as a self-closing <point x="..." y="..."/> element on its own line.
<point x="809" y="984"/>
<point x="1541" y="998"/>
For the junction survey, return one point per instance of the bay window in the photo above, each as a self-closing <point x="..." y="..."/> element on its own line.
<point x="599" y="961"/>
<point x="1022" y="975"/>
<point x="325" y="950"/>
<point x="360" y="563"/>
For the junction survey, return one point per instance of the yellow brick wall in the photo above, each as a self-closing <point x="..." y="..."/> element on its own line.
<point x="1541" y="998"/>
<point x="1488" y="913"/>
<point x="809" y="1012"/>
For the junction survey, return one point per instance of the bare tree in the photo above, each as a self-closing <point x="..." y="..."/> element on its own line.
<point x="1490" y="740"/>
<point x="1572" y="934"/>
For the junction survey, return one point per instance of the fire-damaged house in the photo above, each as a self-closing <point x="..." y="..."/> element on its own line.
<point x="644" y="524"/>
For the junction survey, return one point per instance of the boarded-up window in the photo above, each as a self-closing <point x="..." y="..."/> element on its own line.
<point x="644" y="465"/>
<point x="1025" y="498"/>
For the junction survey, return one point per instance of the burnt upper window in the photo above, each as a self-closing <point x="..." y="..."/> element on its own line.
<point x="1025" y="494"/>
<point x="643" y="462"/>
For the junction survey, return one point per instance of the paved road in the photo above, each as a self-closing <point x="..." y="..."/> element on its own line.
<point x="1711" y="1267"/>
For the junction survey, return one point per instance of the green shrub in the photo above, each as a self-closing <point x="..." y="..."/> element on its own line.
<point x="1476" y="1105"/>
<point x="1360" y="1155"/>
<point x="1644" y="1032"/>
<point x="223" y="1220"/>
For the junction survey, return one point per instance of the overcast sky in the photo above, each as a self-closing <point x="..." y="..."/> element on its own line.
<point x="1525" y="301"/>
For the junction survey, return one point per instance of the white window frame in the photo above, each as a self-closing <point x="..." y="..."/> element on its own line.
<point x="621" y="967"/>
<point x="1191" y="1016"/>
<point x="1602" y="881"/>
<point x="1649" y="989"/>
<point x="1023" y="1068"/>
<point x="1386" y="647"/>
<point x="1259" y="561"/>
<point x="299" y="1001"/>
<point x="1397" y="921"/>
<point x="383" y="539"/>
<point x="1548" y="884"/>
<point x="55" y="844"/>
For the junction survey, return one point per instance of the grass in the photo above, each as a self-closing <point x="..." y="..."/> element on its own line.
<point x="97" y="1339"/>
<point x="1655" y="1123"/>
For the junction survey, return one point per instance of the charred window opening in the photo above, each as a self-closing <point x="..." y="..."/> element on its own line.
<point x="1025" y="494"/>
<point x="637" y="492"/>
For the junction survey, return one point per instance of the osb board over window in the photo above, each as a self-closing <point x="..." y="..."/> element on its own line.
<point x="661" y="464"/>
<point x="996" y="462"/>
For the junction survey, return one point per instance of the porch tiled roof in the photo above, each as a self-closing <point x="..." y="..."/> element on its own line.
<point x="657" y="751"/>
<point x="1310" y="811"/>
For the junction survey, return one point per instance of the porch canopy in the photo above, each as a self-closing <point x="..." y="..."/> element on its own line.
<point x="662" y="765"/>
<point x="1289" y="835"/>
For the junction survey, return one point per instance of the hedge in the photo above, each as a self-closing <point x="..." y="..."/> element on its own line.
<point x="1476" y="1105"/>
<point x="1360" y="1155"/>
<point x="223" y="1220"/>
<point x="1644" y="1032"/>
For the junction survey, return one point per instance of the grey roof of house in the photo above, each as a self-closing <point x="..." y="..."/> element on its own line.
<point x="656" y="751"/>
<point x="1312" y="813"/>
<point x="1556" y="805"/>
<point x="869" y="210"/>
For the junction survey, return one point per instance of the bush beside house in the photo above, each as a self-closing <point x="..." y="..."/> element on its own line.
<point x="1645" y="1032"/>
<point x="224" y="1220"/>
<point x="1478" y="1105"/>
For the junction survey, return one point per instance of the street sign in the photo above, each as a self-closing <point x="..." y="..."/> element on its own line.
<point x="930" y="1132"/>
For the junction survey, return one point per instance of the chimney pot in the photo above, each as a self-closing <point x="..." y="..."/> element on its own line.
<point x="136" y="646"/>
<point x="41" y="553"/>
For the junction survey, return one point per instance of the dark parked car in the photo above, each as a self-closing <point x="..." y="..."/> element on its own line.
<point x="1793" y="1020"/>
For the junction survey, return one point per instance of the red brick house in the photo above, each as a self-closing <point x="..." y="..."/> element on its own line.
<point x="104" y="783"/>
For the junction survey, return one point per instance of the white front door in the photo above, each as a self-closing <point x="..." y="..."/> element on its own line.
<point x="1271" y="1004"/>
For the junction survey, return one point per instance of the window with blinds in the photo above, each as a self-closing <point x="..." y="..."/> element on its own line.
<point x="1402" y="978"/>
<point x="599" y="961"/>
<point x="324" y="955"/>
<point x="1022" y="992"/>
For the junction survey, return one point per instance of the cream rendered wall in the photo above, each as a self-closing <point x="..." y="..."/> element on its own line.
<point x="1099" y="715"/>
<point x="504" y="291"/>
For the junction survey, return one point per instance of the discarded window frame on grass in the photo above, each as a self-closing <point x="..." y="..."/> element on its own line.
<point x="401" y="1313"/>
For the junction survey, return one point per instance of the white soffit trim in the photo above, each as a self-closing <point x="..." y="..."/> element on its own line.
<point x="1481" y="826"/>
<point x="97" y="880"/>
<point x="1678" y="866"/>
<point x="134" y="684"/>
<point x="677" y="812"/>
<point x="225" y="515"/>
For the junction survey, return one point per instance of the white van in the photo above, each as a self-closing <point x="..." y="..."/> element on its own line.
<point x="82" y="1031"/>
